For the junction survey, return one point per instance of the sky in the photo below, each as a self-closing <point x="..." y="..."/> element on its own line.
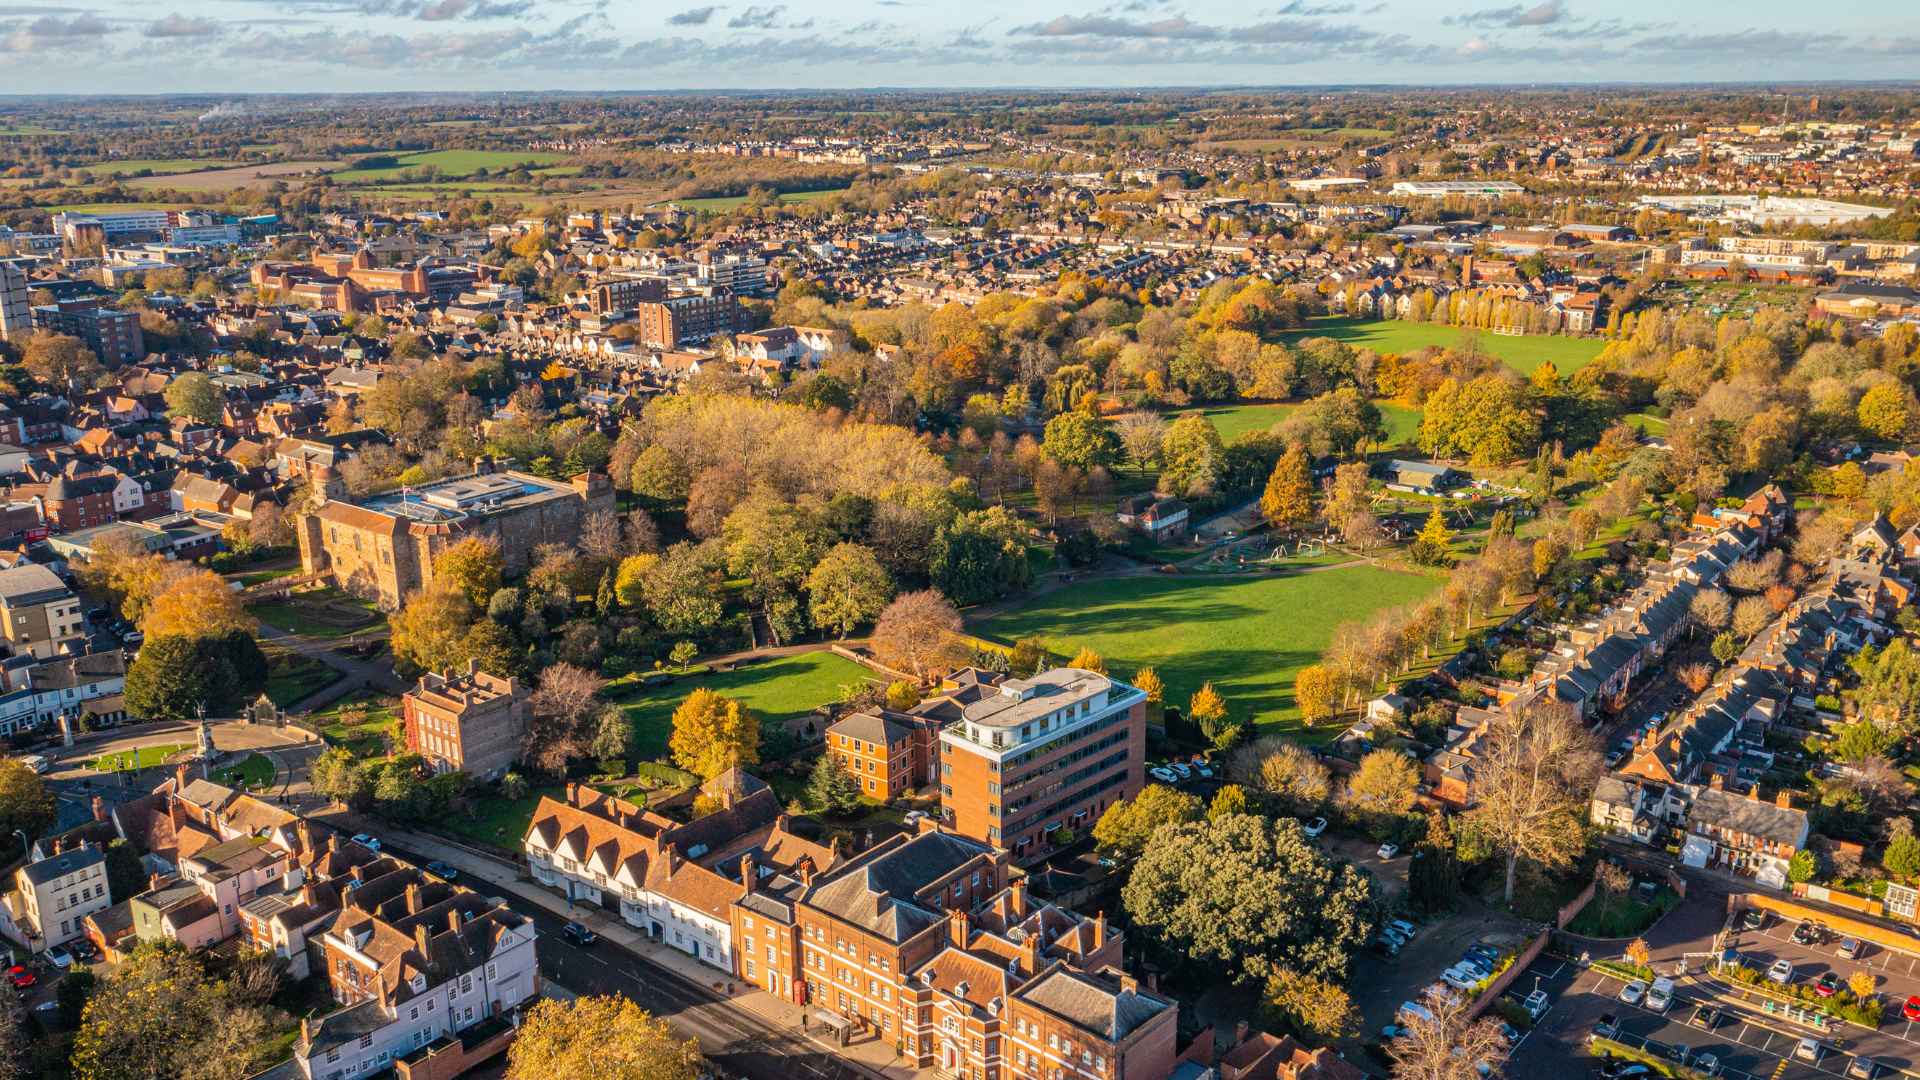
<point x="234" y="46"/>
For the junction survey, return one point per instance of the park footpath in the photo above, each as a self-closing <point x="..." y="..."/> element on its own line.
<point x="874" y="1057"/>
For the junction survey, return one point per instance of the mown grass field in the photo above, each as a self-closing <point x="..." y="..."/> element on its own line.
<point x="1249" y="634"/>
<point x="1523" y="353"/>
<point x="728" y="202"/>
<point x="773" y="690"/>
<point x="1233" y="421"/>
<point x="158" y="165"/>
<point x="453" y="162"/>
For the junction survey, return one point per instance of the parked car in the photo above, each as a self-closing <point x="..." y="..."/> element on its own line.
<point x="1180" y="769"/>
<point x="1911" y="1010"/>
<point x="1388" y="851"/>
<point x="1165" y="776"/>
<point x="21" y="977"/>
<point x="1387" y="946"/>
<point x="84" y="950"/>
<point x="1458" y="979"/>
<point x="1314" y="827"/>
<point x="1660" y="994"/>
<point x="1412" y="1010"/>
<point x="1633" y="992"/>
<point x="1805" y="934"/>
<point x="442" y="870"/>
<point x="1624" y="1070"/>
<point x="1510" y="1034"/>
<point x="1402" y="927"/>
<point x="1826" y="984"/>
<point x="371" y="843"/>
<point x="1607" y="1026"/>
<point x="1537" y="1004"/>
<point x="1614" y="757"/>
<point x="1809" y="1050"/>
<point x="60" y="956"/>
<point x="1706" y="1017"/>
<point x="1753" y="919"/>
<point x="578" y="935"/>
<point x="1863" y="1067"/>
<point x="1678" y="1053"/>
<point x="1850" y="948"/>
<point x="1206" y="773"/>
<point x="1706" y="1064"/>
<point x="1392" y="1031"/>
<point x="1781" y="972"/>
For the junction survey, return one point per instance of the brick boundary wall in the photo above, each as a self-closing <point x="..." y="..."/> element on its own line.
<point x="1505" y="979"/>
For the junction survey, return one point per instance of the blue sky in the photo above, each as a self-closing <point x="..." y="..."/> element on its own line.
<point x="80" y="46"/>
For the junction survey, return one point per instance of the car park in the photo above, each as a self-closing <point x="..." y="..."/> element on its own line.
<point x="1863" y="1068"/>
<point x="1633" y="992"/>
<point x="1826" y="984"/>
<point x="1314" y="827"/>
<point x="578" y="935"/>
<point x="1781" y="972"/>
<point x="1660" y="995"/>
<point x="1705" y="1017"/>
<point x="1388" y="851"/>
<point x="1809" y="1050"/>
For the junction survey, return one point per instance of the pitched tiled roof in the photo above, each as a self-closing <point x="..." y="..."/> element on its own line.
<point x="1098" y="1004"/>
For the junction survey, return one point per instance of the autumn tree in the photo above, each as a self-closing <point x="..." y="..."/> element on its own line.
<point x="917" y="633"/>
<point x="62" y="362"/>
<point x="1285" y="772"/>
<point x="1288" y="501"/>
<point x="1316" y="1006"/>
<point x="429" y="631"/>
<point x="563" y="705"/>
<point x="712" y="734"/>
<point x="847" y="588"/>
<point x="1148" y="682"/>
<point x="605" y="1037"/>
<point x="194" y="396"/>
<point x="196" y="604"/>
<point x="1384" y="783"/>
<point x="1434" y="545"/>
<point x="160" y="1013"/>
<point x="1316" y="692"/>
<point x="1126" y="826"/>
<point x="473" y="567"/>
<point x="1088" y="660"/>
<point x="1192" y="457"/>
<point x="25" y="802"/>
<point x="1532" y="776"/>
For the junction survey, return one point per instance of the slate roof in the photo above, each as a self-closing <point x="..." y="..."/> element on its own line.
<point x="62" y="864"/>
<point x="1754" y="817"/>
<point x="877" y="892"/>
<point x="1097" y="1004"/>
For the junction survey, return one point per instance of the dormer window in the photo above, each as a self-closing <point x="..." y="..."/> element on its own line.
<point x="419" y="984"/>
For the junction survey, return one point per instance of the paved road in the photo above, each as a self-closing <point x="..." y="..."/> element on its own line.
<point x="739" y="1042"/>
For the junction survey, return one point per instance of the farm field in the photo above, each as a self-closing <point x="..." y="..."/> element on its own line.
<point x="1249" y="634"/>
<point x="158" y="165"/>
<point x="1523" y="353"/>
<point x="454" y="162"/>
<point x="1233" y="421"/>
<point x="237" y="177"/>
<point x="106" y="207"/>
<point x="728" y="202"/>
<point x="772" y="690"/>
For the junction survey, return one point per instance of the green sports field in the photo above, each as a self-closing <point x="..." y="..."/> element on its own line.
<point x="1250" y="635"/>
<point x="1233" y="421"/>
<point x="774" y="690"/>
<point x="1523" y="353"/>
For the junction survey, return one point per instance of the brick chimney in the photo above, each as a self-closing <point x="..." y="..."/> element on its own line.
<point x="1017" y="897"/>
<point x="453" y="919"/>
<point x="1239" y="1032"/>
<point x="99" y="807"/>
<point x="420" y="938"/>
<point x="1030" y="955"/>
<point x="1784" y="799"/>
<point x="805" y="869"/>
<point x="153" y="881"/>
<point x="1100" y="930"/>
<point x="747" y="875"/>
<point x="1717" y="782"/>
<point x="1754" y="792"/>
<point x="413" y="898"/>
<point x="180" y="776"/>
<point x="957" y="929"/>
<point x="305" y="833"/>
<point x="782" y="822"/>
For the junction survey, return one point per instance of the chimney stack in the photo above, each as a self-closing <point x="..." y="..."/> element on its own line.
<point x="413" y="898"/>
<point x="153" y="881"/>
<point x="805" y="869"/>
<point x="1030" y="955"/>
<point x="1017" y="894"/>
<point x="957" y="927"/>
<point x="305" y="833"/>
<point x="306" y="1031"/>
<point x="454" y="919"/>
<point x="1717" y="782"/>
<point x="746" y="875"/>
<point x="1239" y="1032"/>
<point x="420" y="938"/>
<point x="1100" y="930"/>
<point x="1784" y="800"/>
<point x="180" y="776"/>
<point x="99" y="807"/>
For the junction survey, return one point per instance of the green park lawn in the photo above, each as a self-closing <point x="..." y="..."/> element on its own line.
<point x="1250" y="635"/>
<point x="1523" y="353"/>
<point x="327" y="613"/>
<point x="498" y="820"/>
<point x="146" y="757"/>
<point x="453" y="162"/>
<point x="292" y="677"/>
<point x="773" y="690"/>
<point x="365" y="739"/>
<point x="254" y="772"/>
<point x="1233" y="421"/>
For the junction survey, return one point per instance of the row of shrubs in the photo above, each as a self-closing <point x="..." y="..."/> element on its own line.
<point x="1844" y="1004"/>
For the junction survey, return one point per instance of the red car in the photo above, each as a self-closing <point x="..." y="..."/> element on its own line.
<point x="1827" y="985"/>
<point x="20" y="977"/>
<point x="1911" y="1010"/>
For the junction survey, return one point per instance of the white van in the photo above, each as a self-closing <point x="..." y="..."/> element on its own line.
<point x="37" y="762"/>
<point x="1660" y="995"/>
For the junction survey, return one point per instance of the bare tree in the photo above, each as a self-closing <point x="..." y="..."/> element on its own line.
<point x="600" y="535"/>
<point x="567" y="697"/>
<point x="1533" y="778"/>
<point x="917" y="632"/>
<point x="1751" y="615"/>
<point x="1448" y="1044"/>
<point x="1710" y="610"/>
<point x="1141" y="434"/>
